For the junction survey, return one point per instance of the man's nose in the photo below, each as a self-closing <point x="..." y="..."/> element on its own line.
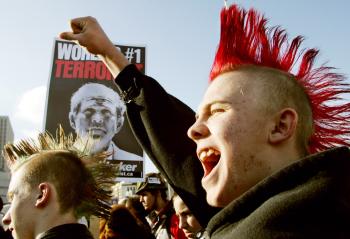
<point x="182" y="223"/>
<point x="197" y="130"/>
<point x="6" y="220"/>
<point x="97" y="118"/>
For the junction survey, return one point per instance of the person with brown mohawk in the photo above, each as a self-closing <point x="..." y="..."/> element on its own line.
<point x="53" y="184"/>
<point x="272" y="132"/>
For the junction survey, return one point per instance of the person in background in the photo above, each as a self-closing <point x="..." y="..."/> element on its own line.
<point x="161" y="216"/>
<point x="136" y="208"/>
<point x="4" y="234"/>
<point x="122" y="224"/>
<point x="53" y="183"/>
<point x="187" y="221"/>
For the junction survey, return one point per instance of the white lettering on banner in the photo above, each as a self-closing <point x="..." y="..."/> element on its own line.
<point x="127" y="167"/>
<point x="68" y="51"/>
<point x="126" y="174"/>
<point x="64" y="51"/>
<point x="129" y="54"/>
<point x="76" y="53"/>
<point x="138" y="55"/>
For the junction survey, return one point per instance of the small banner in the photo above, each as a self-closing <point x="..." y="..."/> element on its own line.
<point x="83" y="99"/>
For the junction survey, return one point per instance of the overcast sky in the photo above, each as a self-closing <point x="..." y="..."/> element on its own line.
<point x="180" y="36"/>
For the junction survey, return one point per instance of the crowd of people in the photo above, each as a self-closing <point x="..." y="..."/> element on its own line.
<point x="265" y="156"/>
<point x="151" y="214"/>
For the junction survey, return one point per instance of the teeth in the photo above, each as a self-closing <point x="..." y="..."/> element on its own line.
<point x="202" y="155"/>
<point x="205" y="154"/>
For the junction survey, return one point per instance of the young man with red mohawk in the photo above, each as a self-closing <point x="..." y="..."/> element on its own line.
<point x="255" y="133"/>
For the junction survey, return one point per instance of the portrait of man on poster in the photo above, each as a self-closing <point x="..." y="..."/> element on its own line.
<point x="97" y="112"/>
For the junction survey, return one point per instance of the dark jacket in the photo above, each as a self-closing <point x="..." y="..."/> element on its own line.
<point x="67" y="231"/>
<point x="309" y="199"/>
<point x="160" y="122"/>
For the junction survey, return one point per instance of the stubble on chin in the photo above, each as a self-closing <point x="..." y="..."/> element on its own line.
<point x="98" y="147"/>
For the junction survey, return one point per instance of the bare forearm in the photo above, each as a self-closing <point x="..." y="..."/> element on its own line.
<point x="114" y="60"/>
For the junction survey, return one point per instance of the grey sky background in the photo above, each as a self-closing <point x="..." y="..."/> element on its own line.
<point x="180" y="36"/>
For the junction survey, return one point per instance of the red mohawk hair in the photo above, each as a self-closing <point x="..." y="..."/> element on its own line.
<point x="245" y="40"/>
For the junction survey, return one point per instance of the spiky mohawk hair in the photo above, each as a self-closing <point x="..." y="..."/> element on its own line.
<point x="245" y="40"/>
<point x="97" y="175"/>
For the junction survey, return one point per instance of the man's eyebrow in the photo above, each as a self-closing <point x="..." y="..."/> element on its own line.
<point x="89" y="109"/>
<point x="185" y="212"/>
<point x="218" y="102"/>
<point x="206" y="107"/>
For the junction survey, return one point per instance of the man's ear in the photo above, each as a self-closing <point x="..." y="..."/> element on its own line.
<point x="118" y="126"/>
<point x="119" y="121"/>
<point x="45" y="192"/>
<point x="285" y="124"/>
<point x="71" y="120"/>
